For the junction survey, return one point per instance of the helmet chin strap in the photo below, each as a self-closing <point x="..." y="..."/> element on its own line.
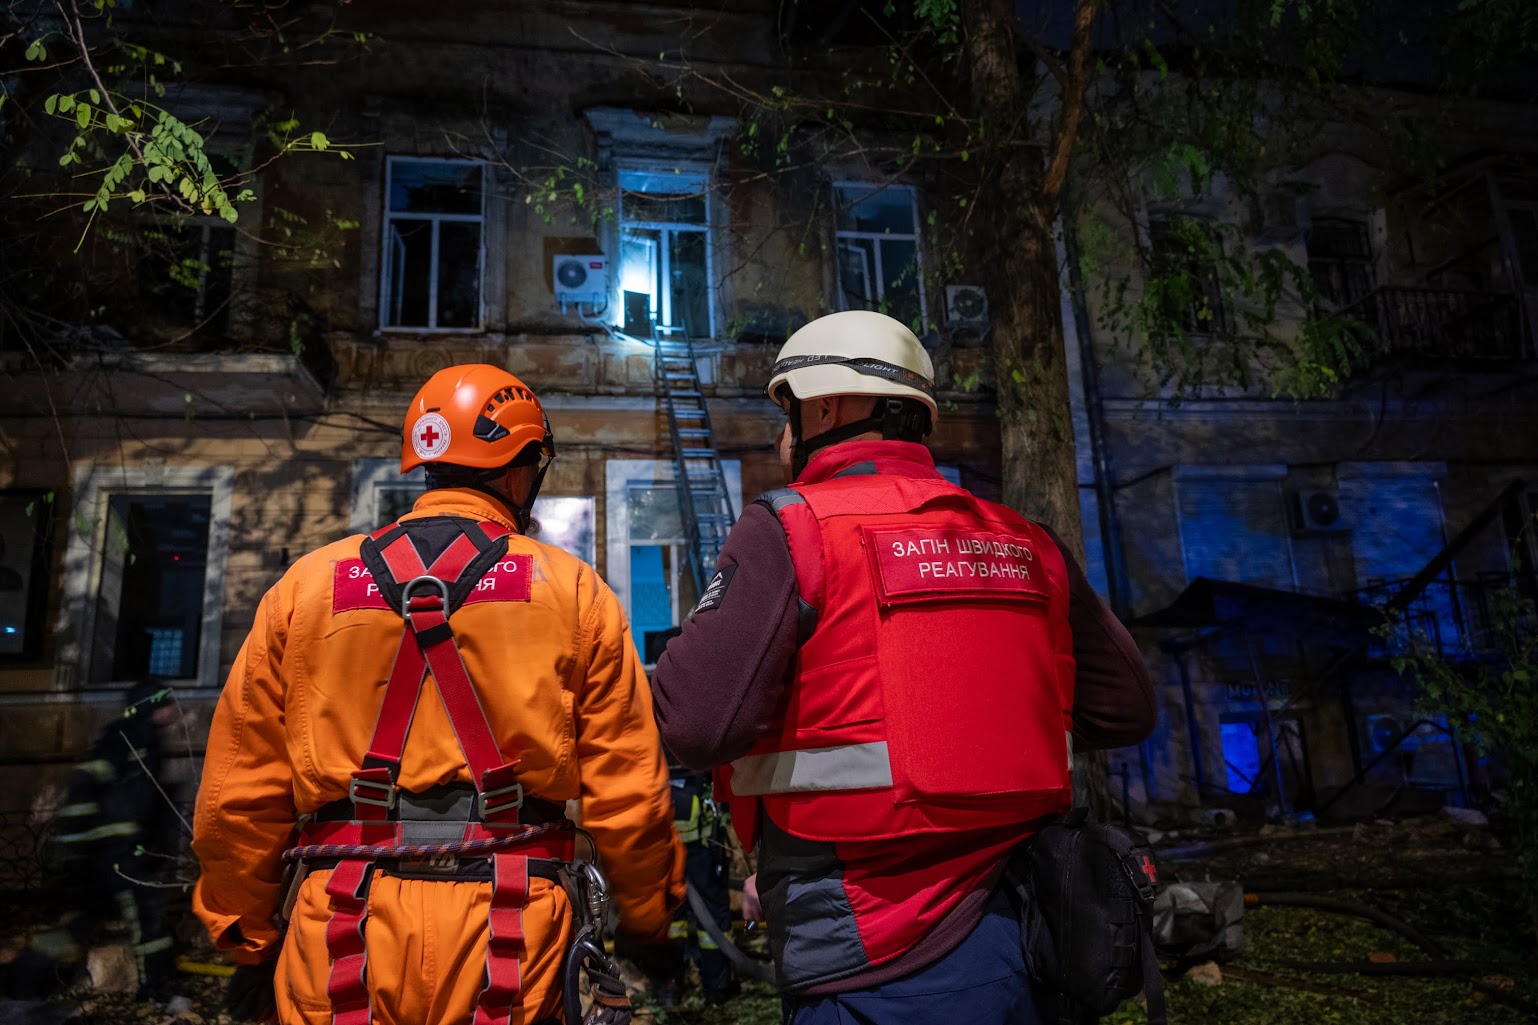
<point x="895" y="419"/>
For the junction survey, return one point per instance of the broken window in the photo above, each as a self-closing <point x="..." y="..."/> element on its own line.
<point x="665" y="251"/>
<point x="1340" y="260"/>
<point x="879" y="267"/>
<point x="149" y="614"/>
<point x="433" y="241"/>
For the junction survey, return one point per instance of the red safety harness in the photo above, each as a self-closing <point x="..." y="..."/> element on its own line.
<point x="426" y="598"/>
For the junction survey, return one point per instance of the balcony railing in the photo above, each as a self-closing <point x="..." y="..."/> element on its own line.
<point x="1443" y="323"/>
<point x="1463" y="618"/>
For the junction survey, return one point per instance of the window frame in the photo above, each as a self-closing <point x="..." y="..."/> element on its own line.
<point x="95" y="487"/>
<point x="619" y="476"/>
<point x="917" y="238"/>
<point x="1337" y="265"/>
<point x="624" y="167"/>
<point x="206" y="224"/>
<point x="386" y="263"/>
<point x="1222" y="324"/>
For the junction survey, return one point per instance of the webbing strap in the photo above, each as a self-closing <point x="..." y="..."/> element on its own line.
<point x="406" y="676"/>
<point x="347" y="985"/>
<point x="504" y="940"/>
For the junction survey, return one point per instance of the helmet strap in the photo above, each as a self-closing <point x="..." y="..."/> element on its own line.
<point x="895" y="419"/>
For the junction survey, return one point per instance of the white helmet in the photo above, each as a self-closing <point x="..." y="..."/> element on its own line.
<point x="857" y="352"/>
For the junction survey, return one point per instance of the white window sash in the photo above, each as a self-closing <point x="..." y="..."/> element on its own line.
<point x="392" y="273"/>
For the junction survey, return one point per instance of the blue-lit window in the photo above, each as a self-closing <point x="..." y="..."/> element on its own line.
<point x="433" y="244"/>
<point x="665" y="269"/>
<point x="662" y="589"/>
<point x="1241" y="756"/>
<point x="879" y="266"/>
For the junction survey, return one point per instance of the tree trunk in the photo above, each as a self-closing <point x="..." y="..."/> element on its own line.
<point x="1019" y="207"/>
<point x="1035" y="421"/>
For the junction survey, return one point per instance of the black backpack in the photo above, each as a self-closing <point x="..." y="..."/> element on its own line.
<point x="1085" y="891"/>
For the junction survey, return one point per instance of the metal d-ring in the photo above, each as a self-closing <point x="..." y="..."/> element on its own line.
<point x="430" y="581"/>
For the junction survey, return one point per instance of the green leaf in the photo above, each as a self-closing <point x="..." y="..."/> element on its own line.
<point x="36" y="51"/>
<point x="66" y="103"/>
<point x="95" y="96"/>
<point x="65" y="160"/>
<point x="319" y="141"/>
<point x="51" y="104"/>
<point x="83" y="116"/>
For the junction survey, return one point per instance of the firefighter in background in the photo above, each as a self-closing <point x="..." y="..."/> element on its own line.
<point x="445" y="683"/>
<point x="707" y="868"/>
<point x="116" y="833"/>
<point x="892" y="672"/>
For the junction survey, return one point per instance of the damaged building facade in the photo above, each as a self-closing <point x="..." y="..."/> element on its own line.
<point x="1274" y="556"/>
<point x="507" y="186"/>
<point x="521" y="188"/>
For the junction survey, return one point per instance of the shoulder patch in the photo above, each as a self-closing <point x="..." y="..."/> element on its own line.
<point x="715" y="592"/>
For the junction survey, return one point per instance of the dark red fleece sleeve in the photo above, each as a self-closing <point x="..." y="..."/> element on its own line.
<point x="1113" y="698"/>
<point x="716" y="687"/>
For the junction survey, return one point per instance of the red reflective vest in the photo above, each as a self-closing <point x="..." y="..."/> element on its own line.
<point x="936" y="692"/>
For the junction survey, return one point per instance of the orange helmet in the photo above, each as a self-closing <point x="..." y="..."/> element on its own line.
<point x="473" y="415"/>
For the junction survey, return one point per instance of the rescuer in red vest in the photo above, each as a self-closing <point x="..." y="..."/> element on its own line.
<point x="891" y="674"/>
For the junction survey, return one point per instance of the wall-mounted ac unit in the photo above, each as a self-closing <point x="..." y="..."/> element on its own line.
<point x="966" y="307"/>
<point x="581" y="279"/>
<point x="1316" y="511"/>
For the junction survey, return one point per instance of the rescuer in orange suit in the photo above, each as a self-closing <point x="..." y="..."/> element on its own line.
<point x="310" y="749"/>
<point x="891" y="674"/>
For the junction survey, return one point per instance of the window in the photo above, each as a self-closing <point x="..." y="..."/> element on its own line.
<point x="879" y="267"/>
<point x="186" y="277"/>
<point x="1188" y="293"/>
<point x="433" y="244"/>
<point x="1233" y="525"/>
<point x="144" y="574"/>
<point x="1340" y="260"/>
<point x="665" y="251"/>
<point x="25" y="518"/>
<point x="648" y="558"/>
<point x="381" y="494"/>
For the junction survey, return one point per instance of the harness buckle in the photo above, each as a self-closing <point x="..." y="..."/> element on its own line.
<point x="425" y="580"/>
<point x="390" y="792"/>
<point x="487" y="805"/>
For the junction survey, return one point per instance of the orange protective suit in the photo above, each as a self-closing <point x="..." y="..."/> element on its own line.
<point x="562" y="688"/>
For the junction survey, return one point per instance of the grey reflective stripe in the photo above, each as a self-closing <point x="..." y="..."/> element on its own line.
<point x="780" y="498"/>
<point x="846" y="767"/>
<point x="865" y="469"/>
<point x="860" y="365"/>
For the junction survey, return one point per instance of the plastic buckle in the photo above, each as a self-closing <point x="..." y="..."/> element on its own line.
<point x="387" y="802"/>
<point x="425" y="580"/>
<point x="489" y="807"/>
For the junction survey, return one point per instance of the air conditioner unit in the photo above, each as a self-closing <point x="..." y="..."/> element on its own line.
<point x="1317" y="511"/>
<point x="966" y="307"/>
<point x="581" y="279"/>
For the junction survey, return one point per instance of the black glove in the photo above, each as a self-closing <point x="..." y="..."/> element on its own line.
<point x="250" y="996"/>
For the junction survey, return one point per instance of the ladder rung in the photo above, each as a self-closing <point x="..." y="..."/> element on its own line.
<point x="699" y="453"/>
<point x="693" y="432"/>
<point x="688" y="376"/>
<point x="684" y="394"/>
